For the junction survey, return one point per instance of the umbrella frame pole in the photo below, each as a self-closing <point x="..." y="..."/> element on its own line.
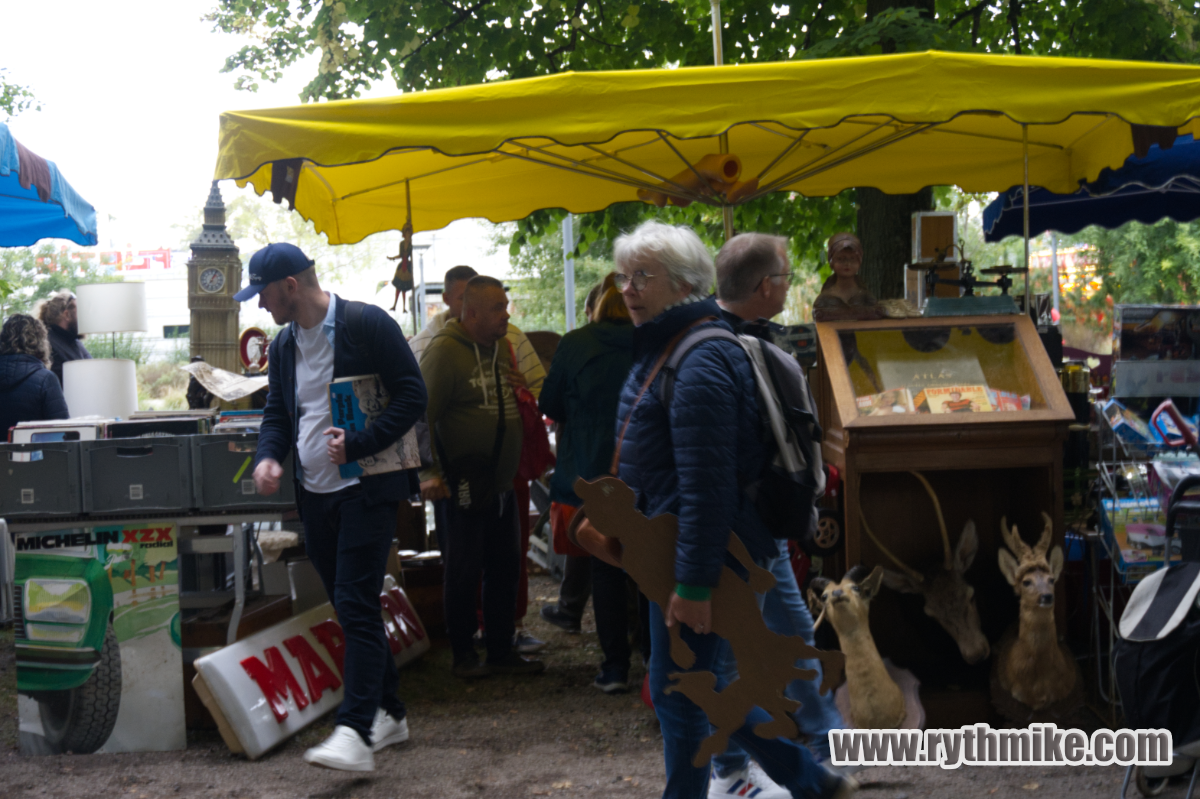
<point x="568" y="230"/>
<point x="719" y="60"/>
<point x="1025" y="208"/>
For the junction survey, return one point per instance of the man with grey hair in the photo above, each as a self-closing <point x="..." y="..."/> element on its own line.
<point x="752" y="282"/>
<point x="686" y="456"/>
<point x="60" y="315"/>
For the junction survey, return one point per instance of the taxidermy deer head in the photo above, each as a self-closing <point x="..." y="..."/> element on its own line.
<point x="876" y="702"/>
<point x="1033" y="666"/>
<point x="1030" y="574"/>
<point x="949" y="599"/>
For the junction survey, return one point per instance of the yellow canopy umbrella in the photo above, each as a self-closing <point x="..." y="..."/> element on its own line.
<point x="583" y="141"/>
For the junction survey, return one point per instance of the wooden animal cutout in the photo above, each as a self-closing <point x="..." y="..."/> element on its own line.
<point x="949" y="598"/>
<point x="1031" y="664"/>
<point x="876" y="701"/>
<point x="766" y="660"/>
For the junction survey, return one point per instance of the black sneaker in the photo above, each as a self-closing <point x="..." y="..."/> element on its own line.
<point x="515" y="664"/>
<point x="555" y="615"/>
<point x="470" y="668"/>
<point x="611" y="682"/>
<point x="526" y="644"/>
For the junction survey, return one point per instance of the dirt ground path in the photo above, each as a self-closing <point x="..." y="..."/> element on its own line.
<point x="553" y="735"/>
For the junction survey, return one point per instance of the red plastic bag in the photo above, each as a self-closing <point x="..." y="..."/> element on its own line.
<point x="536" y="456"/>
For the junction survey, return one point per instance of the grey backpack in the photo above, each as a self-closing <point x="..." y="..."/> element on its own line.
<point x="786" y="492"/>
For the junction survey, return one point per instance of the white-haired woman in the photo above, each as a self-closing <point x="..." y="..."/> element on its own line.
<point x="686" y="459"/>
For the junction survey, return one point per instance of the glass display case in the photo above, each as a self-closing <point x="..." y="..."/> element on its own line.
<point x="939" y="428"/>
<point x="935" y="371"/>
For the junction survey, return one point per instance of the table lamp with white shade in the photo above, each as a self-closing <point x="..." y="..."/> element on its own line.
<point x="106" y="386"/>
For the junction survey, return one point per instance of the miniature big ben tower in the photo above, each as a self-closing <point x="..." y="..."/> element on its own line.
<point x="214" y="276"/>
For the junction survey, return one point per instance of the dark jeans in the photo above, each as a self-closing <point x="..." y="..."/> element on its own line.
<point x="576" y="586"/>
<point x="347" y="542"/>
<point x="610" y="601"/>
<point x="483" y="544"/>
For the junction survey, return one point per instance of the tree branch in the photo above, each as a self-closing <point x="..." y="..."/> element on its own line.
<point x="463" y="14"/>
<point x="1014" y="18"/>
<point x="972" y="11"/>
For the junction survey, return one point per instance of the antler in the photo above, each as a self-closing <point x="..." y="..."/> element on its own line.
<point x="1043" y="544"/>
<point x="937" y="506"/>
<point x="1012" y="539"/>
<point x="913" y="573"/>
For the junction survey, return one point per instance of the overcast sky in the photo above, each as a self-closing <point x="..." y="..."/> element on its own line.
<point x="130" y="92"/>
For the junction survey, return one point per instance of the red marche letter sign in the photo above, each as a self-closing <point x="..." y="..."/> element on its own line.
<point x="399" y="621"/>
<point x="317" y="675"/>
<point x="275" y="680"/>
<point x="330" y="634"/>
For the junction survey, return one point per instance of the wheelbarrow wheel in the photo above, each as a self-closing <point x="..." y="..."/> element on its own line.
<point x="827" y="538"/>
<point x="1148" y="786"/>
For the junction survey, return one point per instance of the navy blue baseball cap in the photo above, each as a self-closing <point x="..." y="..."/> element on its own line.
<point x="273" y="262"/>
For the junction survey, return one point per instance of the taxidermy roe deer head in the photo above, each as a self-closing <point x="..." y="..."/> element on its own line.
<point x="948" y="597"/>
<point x="1032" y="665"/>
<point x="876" y="702"/>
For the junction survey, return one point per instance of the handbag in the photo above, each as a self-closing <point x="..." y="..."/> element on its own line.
<point x="536" y="456"/>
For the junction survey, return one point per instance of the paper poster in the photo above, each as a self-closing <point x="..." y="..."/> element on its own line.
<point x="97" y="634"/>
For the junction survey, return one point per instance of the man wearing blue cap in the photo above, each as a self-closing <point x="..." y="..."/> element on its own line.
<point x="348" y="524"/>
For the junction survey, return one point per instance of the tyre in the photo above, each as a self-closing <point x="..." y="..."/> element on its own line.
<point x="81" y="720"/>
<point x="1148" y="786"/>
<point x="827" y="538"/>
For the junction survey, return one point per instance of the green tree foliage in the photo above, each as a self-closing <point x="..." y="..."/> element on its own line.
<point x="440" y="43"/>
<point x="538" y="290"/>
<point x="29" y="274"/>
<point x="1157" y="263"/>
<point x="15" y="98"/>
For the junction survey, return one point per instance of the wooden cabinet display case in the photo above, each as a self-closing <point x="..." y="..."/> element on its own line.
<point x="888" y="405"/>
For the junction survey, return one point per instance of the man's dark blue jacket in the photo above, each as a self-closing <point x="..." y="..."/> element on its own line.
<point x="687" y="459"/>
<point x="382" y="350"/>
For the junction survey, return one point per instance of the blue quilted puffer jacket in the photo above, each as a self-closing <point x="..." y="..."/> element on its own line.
<point x="687" y="459"/>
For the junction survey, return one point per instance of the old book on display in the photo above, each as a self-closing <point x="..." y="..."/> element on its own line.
<point x="954" y="399"/>
<point x="355" y="403"/>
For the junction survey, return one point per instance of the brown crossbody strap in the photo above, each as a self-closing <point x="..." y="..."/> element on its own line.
<point x="658" y="365"/>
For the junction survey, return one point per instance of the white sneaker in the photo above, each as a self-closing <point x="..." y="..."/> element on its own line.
<point x="386" y="731"/>
<point x="344" y="750"/>
<point x="750" y="782"/>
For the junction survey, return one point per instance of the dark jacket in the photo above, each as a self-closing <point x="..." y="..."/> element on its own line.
<point x="581" y="393"/>
<point x="64" y="347"/>
<point x="28" y="392"/>
<point x="383" y="351"/>
<point x="688" y="459"/>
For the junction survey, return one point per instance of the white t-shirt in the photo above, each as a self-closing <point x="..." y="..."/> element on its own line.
<point x="314" y="371"/>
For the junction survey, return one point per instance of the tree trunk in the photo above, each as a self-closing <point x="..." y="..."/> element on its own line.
<point x="885" y="228"/>
<point x="885" y="220"/>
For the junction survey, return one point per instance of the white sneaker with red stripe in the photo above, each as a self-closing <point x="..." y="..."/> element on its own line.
<point x="751" y="782"/>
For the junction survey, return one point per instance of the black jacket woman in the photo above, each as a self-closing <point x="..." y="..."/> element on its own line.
<point x="29" y="391"/>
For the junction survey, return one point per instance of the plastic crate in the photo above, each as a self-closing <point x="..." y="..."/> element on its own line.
<point x="223" y="473"/>
<point x="131" y="475"/>
<point x="40" y="480"/>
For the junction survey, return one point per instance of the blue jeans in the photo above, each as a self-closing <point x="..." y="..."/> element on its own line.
<point x="685" y="726"/>
<point x="347" y="541"/>
<point x="786" y="613"/>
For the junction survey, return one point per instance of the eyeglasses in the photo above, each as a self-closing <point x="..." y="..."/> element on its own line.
<point x="787" y="275"/>
<point x="639" y="280"/>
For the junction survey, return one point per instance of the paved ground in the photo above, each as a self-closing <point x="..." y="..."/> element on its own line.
<point x="501" y="738"/>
